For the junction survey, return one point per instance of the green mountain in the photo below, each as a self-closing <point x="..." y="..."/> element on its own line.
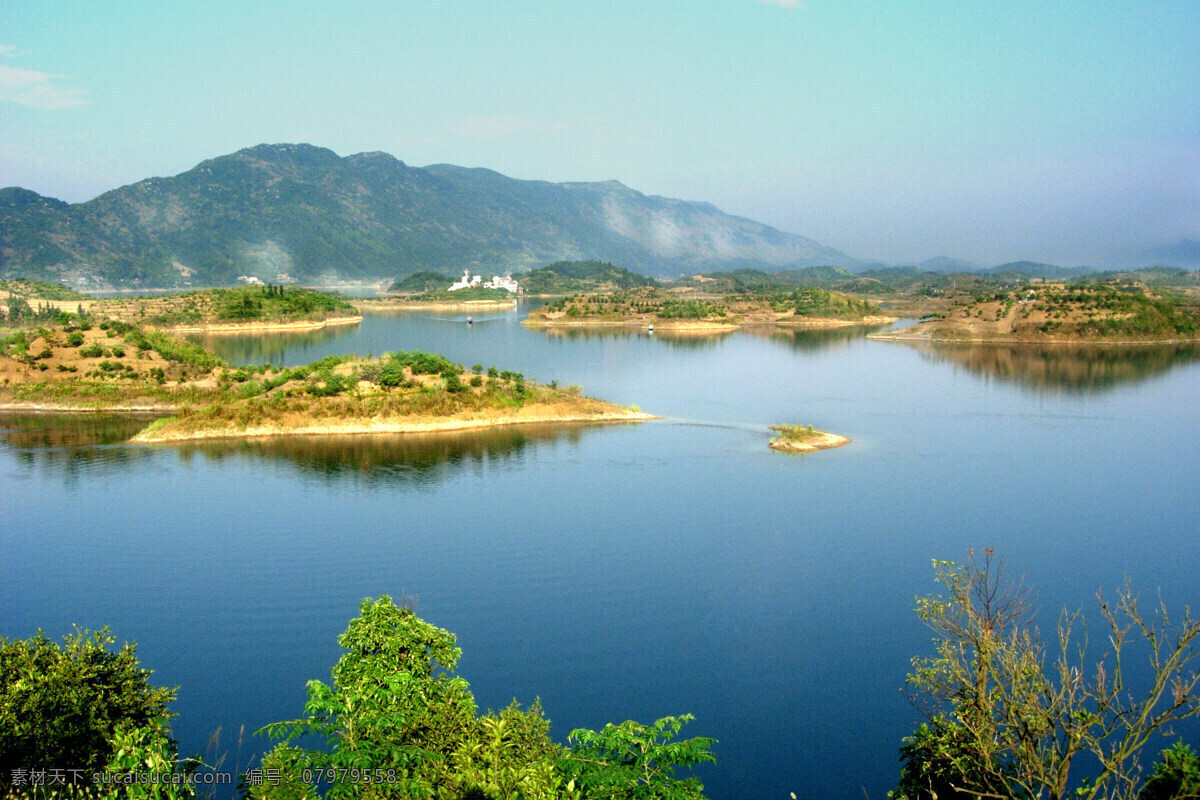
<point x="303" y="212"/>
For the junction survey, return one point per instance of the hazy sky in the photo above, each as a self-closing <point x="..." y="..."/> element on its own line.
<point x="1065" y="131"/>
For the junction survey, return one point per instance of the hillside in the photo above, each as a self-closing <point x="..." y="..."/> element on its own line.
<point x="1117" y="311"/>
<point x="566" y="277"/>
<point x="298" y="212"/>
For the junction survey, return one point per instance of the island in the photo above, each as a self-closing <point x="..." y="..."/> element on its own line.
<point x="74" y="363"/>
<point x="801" y="439"/>
<point x="1115" y="311"/>
<point x="239" y="309"/>
<point x="680" y="310"/>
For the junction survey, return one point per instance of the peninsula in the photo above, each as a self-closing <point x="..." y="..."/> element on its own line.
<point x="801" y="439"/>
<point x="1119" y="311"/>
<point x="644" y="307"/>
<point x="240" y="309"/>
<point x="73" y="363"/>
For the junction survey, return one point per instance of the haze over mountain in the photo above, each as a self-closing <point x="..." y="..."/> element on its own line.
<point x="303" y="212"/>
<point x="1184" y="253"/>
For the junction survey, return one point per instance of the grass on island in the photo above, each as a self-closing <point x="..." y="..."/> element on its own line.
<point x="654" y="305"/>
<point x="804" y="439"/>
<point x="75" y="362"/>
<point x="236" y="305"/>
<point x="1116" y="310"/>
<point x="464" y="295"/>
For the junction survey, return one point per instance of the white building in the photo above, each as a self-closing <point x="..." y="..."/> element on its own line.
<point x="469" y="281"/>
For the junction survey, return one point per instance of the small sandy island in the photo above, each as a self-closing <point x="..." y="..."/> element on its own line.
<point x="801" y="439"/>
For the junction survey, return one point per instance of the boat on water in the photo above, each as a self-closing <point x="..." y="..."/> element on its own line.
<point x="470" y="321"/>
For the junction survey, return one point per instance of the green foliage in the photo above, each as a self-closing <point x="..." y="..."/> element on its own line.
<point x="1175" y="777"/>
<point x="565" y="277"/>
<point x="78" y="704"/>
<point x="444" y="295"/>
<point x="272" y="303"/>
<point x="421" y="282"/>
<point x="169" y="347"/>
<point x="1010" y="724"/>
<point x="939" y="762"/>
<point x="689" y="309"/>
<point x="74" y="339"/>
<point x="820" y="303"/>
<point x="40" y="290"/>
<point x="391" y="705"/>
<point x="632" y="760"/>
<point x="425" y="363"/>
<point x="396" y="713"/>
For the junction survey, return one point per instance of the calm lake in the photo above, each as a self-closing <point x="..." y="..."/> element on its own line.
<point x="622" y="572"/>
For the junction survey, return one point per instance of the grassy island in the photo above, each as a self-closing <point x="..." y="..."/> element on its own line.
<point x="673" y="310"/>
<point x="801" y="439"/>
<point x="1115" y="311"/>
<point x="78" y="365"/>
<point x="238" y="309"/>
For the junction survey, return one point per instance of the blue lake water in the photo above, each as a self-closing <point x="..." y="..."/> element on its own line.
<point x="628" y="571"/>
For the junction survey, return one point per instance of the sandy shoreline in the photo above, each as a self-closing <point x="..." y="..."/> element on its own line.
<point x="257" y="327"/>
<point x="535" y="415"/>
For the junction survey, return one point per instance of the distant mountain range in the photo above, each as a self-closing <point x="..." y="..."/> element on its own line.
<point x="303" y="212"/>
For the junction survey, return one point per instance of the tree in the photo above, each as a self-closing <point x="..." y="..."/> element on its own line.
<point x="397" y="723"/>
<point x="81" y="706"/>
<point x="1012" y="721"/>
<point x="632" y="761"/>
<point x="390" y="707"/>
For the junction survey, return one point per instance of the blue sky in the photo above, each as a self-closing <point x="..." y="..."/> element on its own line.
<point x="992" y="131"/>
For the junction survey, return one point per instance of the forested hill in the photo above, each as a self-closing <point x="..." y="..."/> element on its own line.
<point x="304" y="212"/>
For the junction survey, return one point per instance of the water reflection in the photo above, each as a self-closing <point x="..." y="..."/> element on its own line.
<point x="389" y="458"/>
<point x="71" y="443"/>
<point x="810" y="339"/>
<point x="1073" y="368"/>
<point x="268" y="347"/>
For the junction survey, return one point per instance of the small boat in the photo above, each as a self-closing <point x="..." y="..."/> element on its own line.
<point x="651" y="328"/>
<point x="470" y="321"/>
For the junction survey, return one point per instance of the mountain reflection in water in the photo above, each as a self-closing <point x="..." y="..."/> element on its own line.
<point x="1072" y="368"/>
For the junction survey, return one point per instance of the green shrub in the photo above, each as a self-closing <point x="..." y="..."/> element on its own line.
<point x="1175" y="777"/>
<point x="69" y="704"/>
